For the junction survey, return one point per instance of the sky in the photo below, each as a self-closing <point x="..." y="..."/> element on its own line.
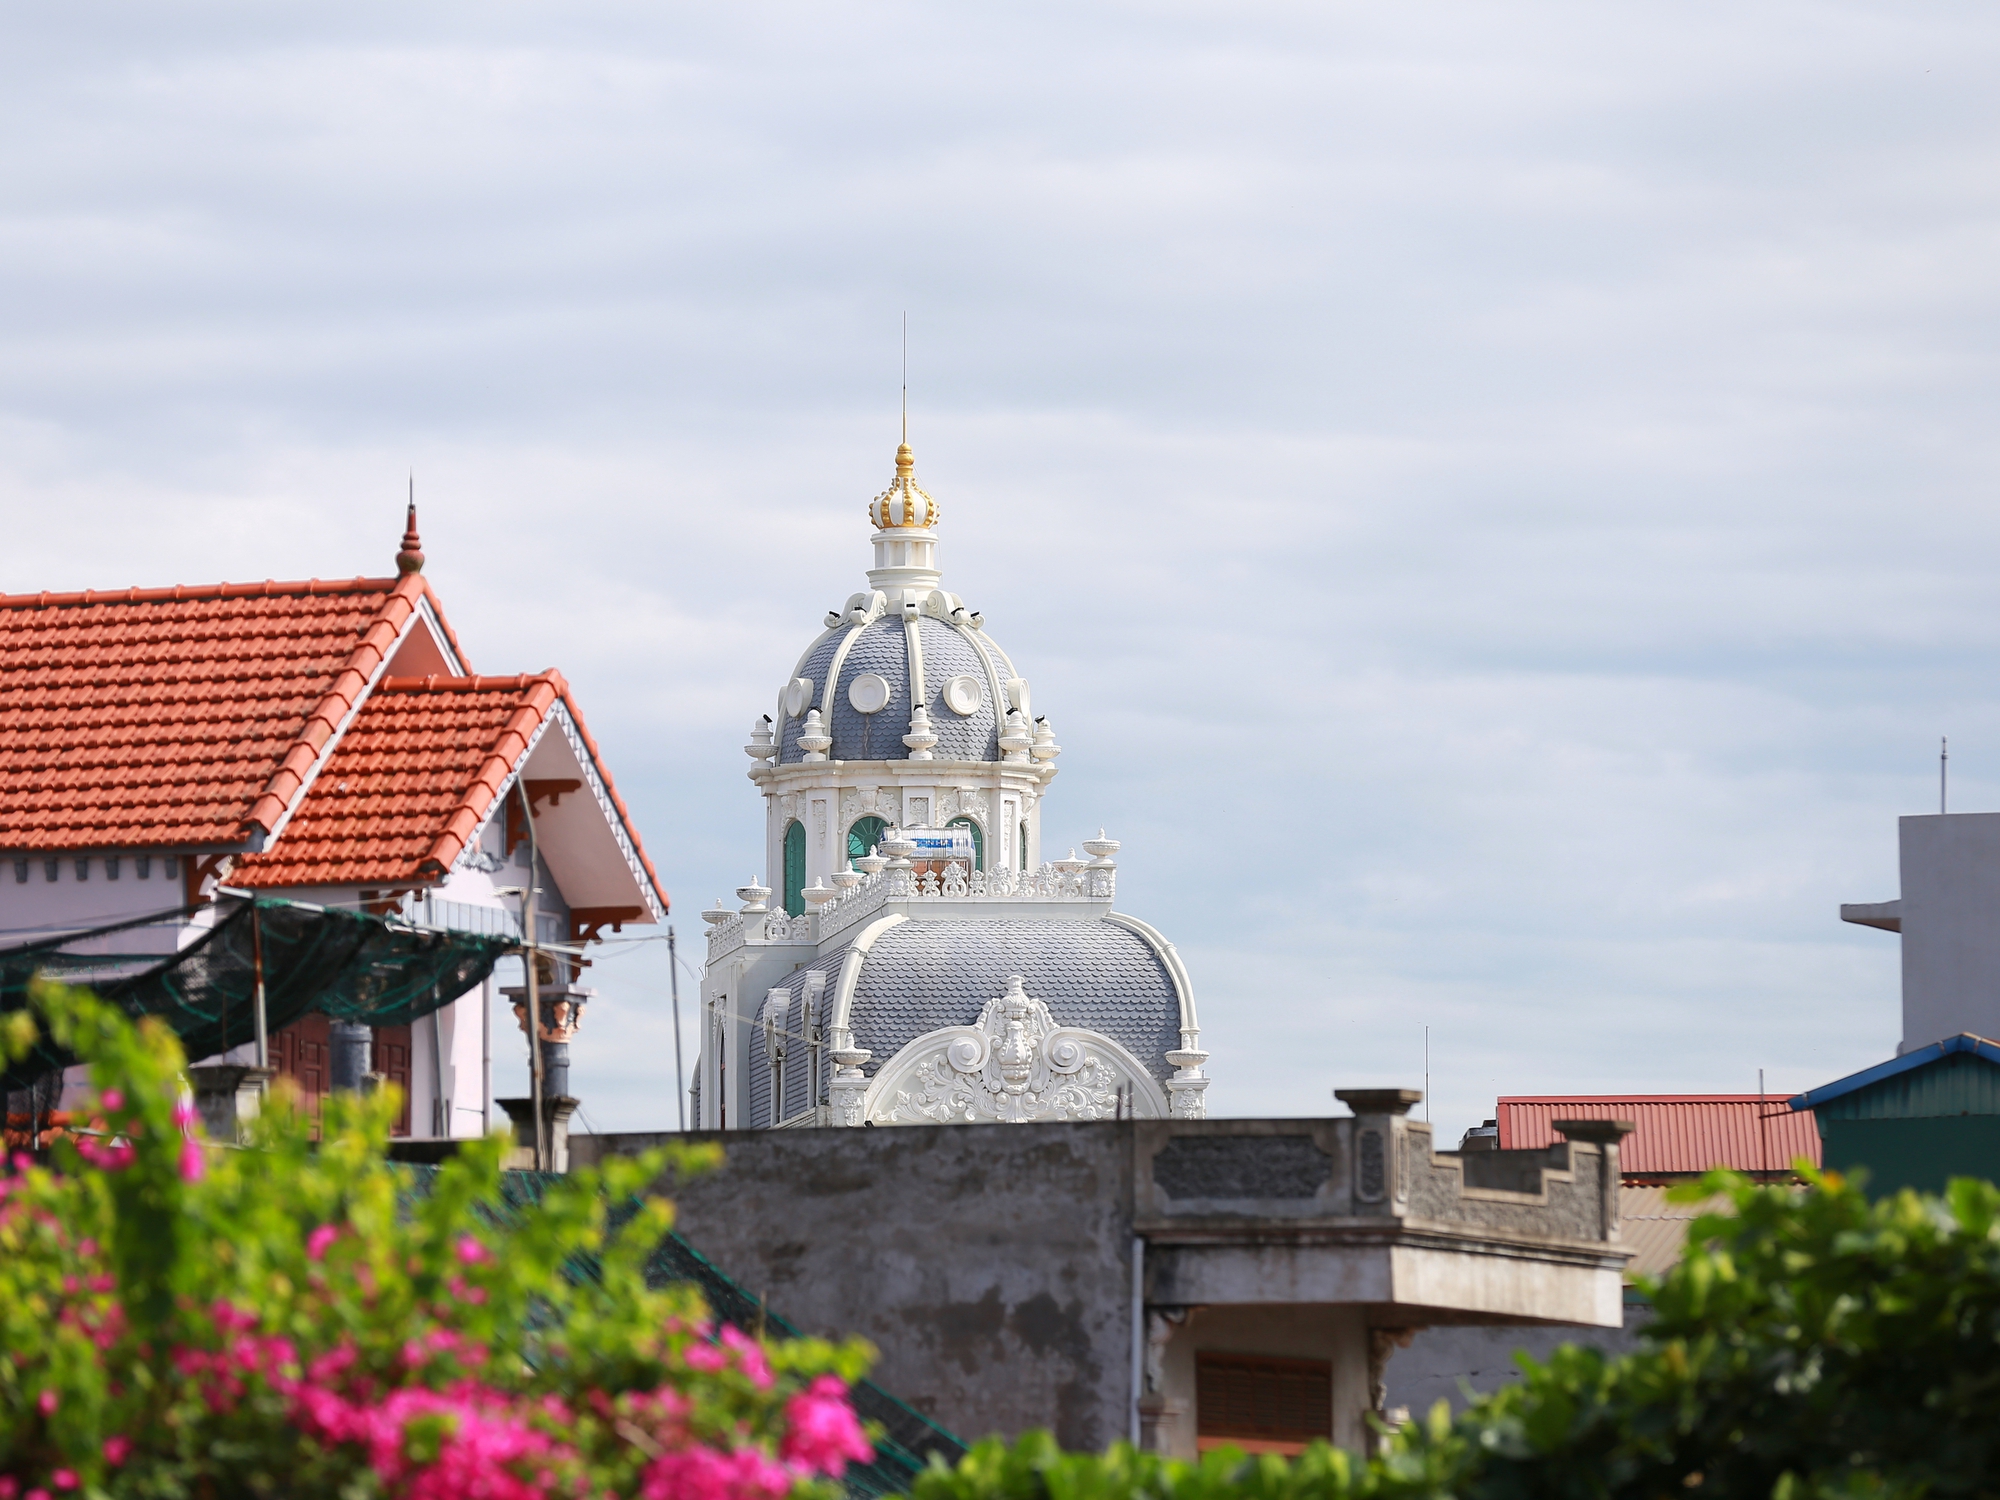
<point x="1496" y="502"/>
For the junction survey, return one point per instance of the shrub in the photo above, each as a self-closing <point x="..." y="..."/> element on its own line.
<point x="184" y="1319"/>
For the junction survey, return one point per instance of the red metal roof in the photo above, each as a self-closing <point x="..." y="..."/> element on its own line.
<point x="180" y="716"/>
<point x="1677" y="1134"/>
<point x="412" y="780"/>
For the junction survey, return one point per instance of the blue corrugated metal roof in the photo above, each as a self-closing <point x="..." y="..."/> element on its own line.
<point x="1965" y="1041"/>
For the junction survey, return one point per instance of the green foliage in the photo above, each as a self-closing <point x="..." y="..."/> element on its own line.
<point x="183" y="1319"/>
<point x="1811" y="1344"/>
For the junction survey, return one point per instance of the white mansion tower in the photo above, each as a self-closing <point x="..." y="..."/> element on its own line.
<point x="919" y="961"/>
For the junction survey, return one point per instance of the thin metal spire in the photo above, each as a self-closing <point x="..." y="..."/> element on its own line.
<point x="906" y="379"/>
<point x="1944" y="763"/>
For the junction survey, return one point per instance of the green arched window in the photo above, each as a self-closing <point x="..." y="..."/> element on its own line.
<point x="864" y="836"/>
<point x="978" y="841"/>
<point x="795" y="869"/>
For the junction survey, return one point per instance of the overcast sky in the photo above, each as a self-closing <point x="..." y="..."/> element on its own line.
<point x="1496" y="501"/>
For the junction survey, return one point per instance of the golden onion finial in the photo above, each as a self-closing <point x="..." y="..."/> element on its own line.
<point x="903" y="504"/>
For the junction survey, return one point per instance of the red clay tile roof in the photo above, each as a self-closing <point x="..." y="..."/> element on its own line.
<point x="1678" y="1134"/>
<point x="147" y="717"/>
<point x="412" y="780"/>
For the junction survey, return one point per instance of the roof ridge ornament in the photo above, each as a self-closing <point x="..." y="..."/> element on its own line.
<point x="410" y="559"/>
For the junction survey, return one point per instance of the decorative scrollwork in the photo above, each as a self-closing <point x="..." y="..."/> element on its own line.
<point x="1014" y="1065"/>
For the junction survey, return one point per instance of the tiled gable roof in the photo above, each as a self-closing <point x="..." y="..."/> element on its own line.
<point x="412" y="780"/>
<point x="186" y="716"/>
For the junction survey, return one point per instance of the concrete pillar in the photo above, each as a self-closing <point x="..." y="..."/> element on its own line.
<point x="1605" y="1135"/>
<point x="521" y="1114"/>
<point x="1381" y="1177"/>
<point x="227" y="1097"/>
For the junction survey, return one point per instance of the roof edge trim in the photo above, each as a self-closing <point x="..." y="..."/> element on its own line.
<point x="319" y="761"/>
<point x="182" y="593"/>
<point x="336" y="707"/>
<point x="850" y="969"/>
<point x="1965" y="1041"/>
<point x="1176" y="970"/>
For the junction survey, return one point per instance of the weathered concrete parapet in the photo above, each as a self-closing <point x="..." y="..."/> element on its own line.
<point x="1605" y="1135"/>
<point x="1362" y="1211"/>
<point x="1381" y="1148"/>
<point x="1075" y="1275"/>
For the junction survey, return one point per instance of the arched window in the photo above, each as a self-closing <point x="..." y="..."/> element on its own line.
<point x="1024" y="844"/>
<point x="795" y="869"/>
<point x="864" y="836"/>
<point x="978" y="841"/>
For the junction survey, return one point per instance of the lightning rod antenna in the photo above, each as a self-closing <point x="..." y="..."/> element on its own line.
<point x="906" y="379"/>
<point x="1944" y="763"/>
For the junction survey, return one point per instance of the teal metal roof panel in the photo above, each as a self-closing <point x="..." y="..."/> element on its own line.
<point x="1957" y="1076"/>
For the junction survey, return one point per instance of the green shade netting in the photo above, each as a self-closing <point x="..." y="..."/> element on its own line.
<point x="347" y="965"/>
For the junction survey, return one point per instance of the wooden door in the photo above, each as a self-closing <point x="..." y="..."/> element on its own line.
<point x="303" y="1052"/>
<point x="392" y="1061"/>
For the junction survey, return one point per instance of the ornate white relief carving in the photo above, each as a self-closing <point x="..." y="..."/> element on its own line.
<point x="1014" y="1065"/>
<point x="788" y="805"/>
<point x="819" y="821"/>
<point x="889" y="804"/>
<point x="973" y="801"/>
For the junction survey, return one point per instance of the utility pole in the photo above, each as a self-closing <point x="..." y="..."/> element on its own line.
<point x="533" y="961"/>
<point x="680" y="1079"/>
<point x="263" y="1053"/>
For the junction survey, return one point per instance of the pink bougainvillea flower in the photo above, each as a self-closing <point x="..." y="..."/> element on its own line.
<point x="184" y="1113"/>
<point x="193" y="1163"/>
<point x="319" y="1239"/>
<point x="9" y="1487"/>
<point x="38" y="1494"/>
<point x="117" y="1449"/>
<point x="46" y="1403"/>
<point x="472" y="1252"/>
<point x="749" y="1356"/>
<point x="64" y="1479"/>
<point x="821" y="1431"/>
<point x="703" y="1474"/>
<point x="112" y="1099"/>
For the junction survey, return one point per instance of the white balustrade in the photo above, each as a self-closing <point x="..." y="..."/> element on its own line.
<point x="865" y="894"/>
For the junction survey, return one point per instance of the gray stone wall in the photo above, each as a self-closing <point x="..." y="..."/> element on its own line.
<point x="990" y="1266"/>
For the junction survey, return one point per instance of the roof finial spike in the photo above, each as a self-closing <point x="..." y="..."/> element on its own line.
<point x="411" y="558"/>
<point x="906" y="380"/>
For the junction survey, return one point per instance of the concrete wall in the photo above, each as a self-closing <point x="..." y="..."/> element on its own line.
<point x="991" y="1266"/>
<point x="1951" y="926"/>
<point x="1441" y="1363"/>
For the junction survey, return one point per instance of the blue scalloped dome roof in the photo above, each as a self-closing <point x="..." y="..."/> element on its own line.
<point x="881" y="647"/>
